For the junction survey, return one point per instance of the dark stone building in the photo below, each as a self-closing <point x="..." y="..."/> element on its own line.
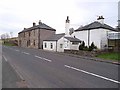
<point x="33" y="37"/>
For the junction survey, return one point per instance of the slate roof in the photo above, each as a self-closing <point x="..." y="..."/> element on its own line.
<point x="95" y="25"/>
<point x="118" y="29"/>
<point x="73" y="39"/>
<point x="55" y="37"/>
<point x="40" y="26"/>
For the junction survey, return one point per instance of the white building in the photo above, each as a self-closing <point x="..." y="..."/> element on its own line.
<point x="60" y="42"/>
<point x="94" y="32"/>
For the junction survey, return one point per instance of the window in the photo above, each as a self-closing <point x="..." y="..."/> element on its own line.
<point x="61" y="45"/>
<point x="45" y="45"/>
<point x="34" y="42"/>
<point x="24" y="34"/>
<point x="29" y="34"/>
<point x="19" y="42"/>
<point x="28" y="43"/>
<point x="51" y="45"/>
<point x="75" y="43"/>
<point x="34" y="32"/>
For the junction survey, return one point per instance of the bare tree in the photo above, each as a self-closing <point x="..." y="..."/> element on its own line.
<point x="71" y="30"/>
<point x="11" y="34"/>
<point x="7" y="35"/>
<point x="3" y="37"/>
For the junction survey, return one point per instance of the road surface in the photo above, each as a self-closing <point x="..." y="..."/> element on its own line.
<point x="44" y="69"/>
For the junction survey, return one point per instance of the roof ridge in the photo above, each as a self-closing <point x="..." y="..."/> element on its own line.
<point x="95" y="25"/>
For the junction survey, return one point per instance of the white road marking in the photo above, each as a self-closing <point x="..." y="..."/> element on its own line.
<point x="43" y="58"/>
<point x="17" y="50"/>
<point x="14" y="67"/>
<point x="26" y="53"/>
<point x="5" y="58"/>
<point x="38" y="57"/>
<point x="47" y="60"/>
<point x="92" y="74"/>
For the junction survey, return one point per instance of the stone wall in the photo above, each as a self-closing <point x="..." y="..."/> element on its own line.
<point x="32" y="40"/>
<point x="24" y="39"/>
<point x="44" y="34"/>
<point x="83" y="53"/>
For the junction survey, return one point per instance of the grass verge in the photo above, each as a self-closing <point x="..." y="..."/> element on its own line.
<point x="110" y="56"/>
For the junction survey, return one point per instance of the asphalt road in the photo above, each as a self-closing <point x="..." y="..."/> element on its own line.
<point x="44" y="69"/>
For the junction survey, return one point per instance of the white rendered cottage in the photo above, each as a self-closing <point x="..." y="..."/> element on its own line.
<point x="94" y="32"/>
<point x="60" y="42"/>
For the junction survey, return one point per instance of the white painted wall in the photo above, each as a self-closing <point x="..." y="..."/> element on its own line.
<point x="66" y="44"/>
<point x="70" y="46"/>
<point x="49" y="45"/>
<point x="60" y="41"/>
<point x="82" y="35"/>
<point x="98" y="36"/>
<point x="59" y="49"/>
<point x="74" y="46"/>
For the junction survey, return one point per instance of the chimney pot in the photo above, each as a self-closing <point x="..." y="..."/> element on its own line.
<point x="39" y="22"/>
<point x="34" y="24"/>
<point x="100" y="19"/>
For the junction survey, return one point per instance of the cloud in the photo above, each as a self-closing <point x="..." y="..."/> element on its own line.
<point x="17" y="14"/>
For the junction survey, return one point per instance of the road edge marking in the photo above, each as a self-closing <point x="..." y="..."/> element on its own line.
<point x="105" y="78"/>
<point x="5" y="58"/>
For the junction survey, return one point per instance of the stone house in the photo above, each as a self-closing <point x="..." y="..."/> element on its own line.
<point x="33" y="37"/>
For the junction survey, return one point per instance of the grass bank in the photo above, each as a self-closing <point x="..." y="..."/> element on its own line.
<point x="110" y="56"/>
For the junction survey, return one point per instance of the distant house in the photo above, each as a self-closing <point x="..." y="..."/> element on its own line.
<point x="94" y="32"/>
<point x="61" y="42"/>
<point x="33" y="37"/>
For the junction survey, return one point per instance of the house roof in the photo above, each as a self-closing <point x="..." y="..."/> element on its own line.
<point x="95" y="25"/>
<point x="72" y="39"/>
<point x="40" y="26"/>
<point x="55" y="37"/>
<point x="118" y="28"/>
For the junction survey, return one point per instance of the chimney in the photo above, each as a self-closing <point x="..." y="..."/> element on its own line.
<point x="39" y="22"/>
<point x="67" y="25"/>
<point x="34" y="24"/>
<point x="24" y="28"/>
<point x="100" y="19"/>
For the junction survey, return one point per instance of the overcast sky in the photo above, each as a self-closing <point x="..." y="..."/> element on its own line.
<point x="18" y="14"/>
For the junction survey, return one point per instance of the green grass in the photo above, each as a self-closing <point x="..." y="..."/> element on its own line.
<point x="9" y="44"/>
<point x="110" y="56"/>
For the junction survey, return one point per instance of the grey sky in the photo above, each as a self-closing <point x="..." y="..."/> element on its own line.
<point x="18" y="14"/>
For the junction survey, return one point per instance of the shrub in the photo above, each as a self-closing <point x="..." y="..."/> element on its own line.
<point x="92" y="47"/>
<point x="81" y="47"/>
<point x="86" y="48"/>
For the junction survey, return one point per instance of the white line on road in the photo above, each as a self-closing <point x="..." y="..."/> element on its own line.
<point x="14" y="67"/>
<point x="38" y="57"/>
<point x="43" y="58"/>
<point x="5" y="58"/>
<point x="47" y="59"/>
<point x="92" y="74"/>
<point x="17" y="50"/>
<point x="26" y="53"/>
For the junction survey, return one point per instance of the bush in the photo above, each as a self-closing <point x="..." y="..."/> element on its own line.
<point x="81" y="47"/>
<point x="92" y="47"/>
<point x="85" y="48"/>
